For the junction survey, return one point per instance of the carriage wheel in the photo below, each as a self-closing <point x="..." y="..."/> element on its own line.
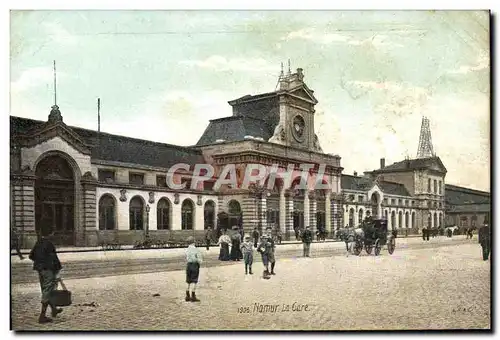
<point x="378" y="247"/>
<point x="358" y="247"/>
<point x="368" y="248"/>
<point x="391" y="246"/>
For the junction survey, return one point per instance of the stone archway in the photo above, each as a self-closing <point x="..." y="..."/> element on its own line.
<point x="56" y="198"/>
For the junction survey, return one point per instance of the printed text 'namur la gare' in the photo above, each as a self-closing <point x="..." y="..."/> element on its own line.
<point x="309" y="177"/>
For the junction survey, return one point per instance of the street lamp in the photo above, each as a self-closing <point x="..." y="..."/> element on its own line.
<point x="147" y="220"/>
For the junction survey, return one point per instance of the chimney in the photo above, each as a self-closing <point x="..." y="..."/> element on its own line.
<point x="355" y="173"/>
<point x="382" y="163"/>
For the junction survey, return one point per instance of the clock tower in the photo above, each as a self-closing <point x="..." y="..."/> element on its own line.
<point x="296" y="113"/>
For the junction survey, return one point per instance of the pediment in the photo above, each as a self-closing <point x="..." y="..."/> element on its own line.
<point x="437" y="166"/>
<point x="303" y="92"/>
<point x="49" y="131"/>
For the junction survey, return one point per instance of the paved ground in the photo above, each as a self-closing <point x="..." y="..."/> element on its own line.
<point x="431" y="288"/>
<point x="111" y="263"/>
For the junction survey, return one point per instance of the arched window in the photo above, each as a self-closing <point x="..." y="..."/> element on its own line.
<point x="413" y="220"/>
<point x="351" y="217"/>
<point x="393" y="219"/>
<point x="209" y="214"/>
<point x="360" y="216"/>
<point x="187" y="214"/>
<point x="234" y="210"/>
<point x="407" y="220"/>
<point x="107" y="219"/>
<point x="435" y="187"/>
<point x="163" y="214"/>
<point x="136" y="214"/>
<point x="429" y="221"/>
<point x="435" y="217"/>
<point x="386" y="215"/>
<point x="429" y="185"/>
<point x="440" y="220"/>
<point x="400" y="219"/>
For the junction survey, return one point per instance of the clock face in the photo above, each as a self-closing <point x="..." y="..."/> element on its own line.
<point x="298" y="127"/>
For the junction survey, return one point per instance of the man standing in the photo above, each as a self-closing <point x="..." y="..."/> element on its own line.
<point x="194" y="260"/>
<point x="270" y="255"/>
<point x="47" y="264"/>
<point x="485" y="241"/>
<point x="208" y="237"/>
<point x="306" y="240"/>
<point x="264" y="250"/>
<point x="14" y="243"/>
<point x="255" y="236"/>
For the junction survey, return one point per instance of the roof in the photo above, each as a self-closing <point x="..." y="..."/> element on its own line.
<point x="456" y="195"/>
<point x="433" y="163"/>
<point x="469" y="208"/>
<point x="109" y="147"/>
<point x="234" y="128"/>
<point x="365" y="183"/>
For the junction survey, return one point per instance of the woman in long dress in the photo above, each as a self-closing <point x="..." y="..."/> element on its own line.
<point x="224" y="242"/>
<point x="235" y="249"/>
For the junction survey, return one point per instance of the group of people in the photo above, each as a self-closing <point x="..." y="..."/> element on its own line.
<point x="48" y="266"/>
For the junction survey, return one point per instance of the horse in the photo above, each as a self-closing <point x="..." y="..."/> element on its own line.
<point x="349" y="236"/>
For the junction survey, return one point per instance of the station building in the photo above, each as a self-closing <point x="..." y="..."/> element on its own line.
<point x="93" y="187"/>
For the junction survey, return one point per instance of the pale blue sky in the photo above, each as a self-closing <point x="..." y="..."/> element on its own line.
<point x="162" y="75"/>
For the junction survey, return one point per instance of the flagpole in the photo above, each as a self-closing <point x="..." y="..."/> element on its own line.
<point x="98" y="114"/>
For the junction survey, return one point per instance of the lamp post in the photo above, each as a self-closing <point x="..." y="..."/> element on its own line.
<point x="147" y="220"/>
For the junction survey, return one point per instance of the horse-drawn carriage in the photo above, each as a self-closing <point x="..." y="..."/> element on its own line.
<point x="373" y="237"/>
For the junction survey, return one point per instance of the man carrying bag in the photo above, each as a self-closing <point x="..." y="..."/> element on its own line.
<point x="47" y="264"/>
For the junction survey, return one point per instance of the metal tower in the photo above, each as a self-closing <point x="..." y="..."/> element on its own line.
<point x="425" y="149"/>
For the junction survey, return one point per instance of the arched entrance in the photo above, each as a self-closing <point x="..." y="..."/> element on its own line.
<point x="351" y="218"/>
<point x="209" y="214"/>
<point x="375" y="201"/>
<point x="233" y="217"/>
<point x="298" y="204"/>
<point x="55" y="199"/>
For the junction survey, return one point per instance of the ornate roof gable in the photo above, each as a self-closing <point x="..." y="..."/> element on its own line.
<point x="54" y="127"/>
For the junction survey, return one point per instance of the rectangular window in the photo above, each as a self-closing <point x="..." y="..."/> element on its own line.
<point x="413" y="203"/>
<point x="161" y="181"/>
<point x="400" y="201"/>
<point x="435" y="187"/>
<point x="440" y="188"/>
<point x="351" y="197"/>
<point x="106" y="176"/>
<point x="135" y="178"/>
<point x="360" y="198"/>
<point x="385" y="200"/>
<point x="429" y="185"/>
<point x="406" y="202"/>
<point x="393" y="201"/>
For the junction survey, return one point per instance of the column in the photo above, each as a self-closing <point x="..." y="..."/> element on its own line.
<point x="23" y="206"/>
<point x="90" y="230"/>
<point x="335" y="214"/>
<point x="289" y="215"/>
<point x="328" y="211"/>
<point x="249" y="210"/>
<point x="282" y="206"/>
<point x="307" y="215"/>
<point x="312" y="210"/>
<point x="263" y="210"/>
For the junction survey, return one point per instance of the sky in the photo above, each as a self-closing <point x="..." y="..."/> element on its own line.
<point x="162" y="75"/>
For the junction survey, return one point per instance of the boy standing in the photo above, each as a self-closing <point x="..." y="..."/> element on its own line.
<point x="193" y="257"/>
<point x="247" y="248"/>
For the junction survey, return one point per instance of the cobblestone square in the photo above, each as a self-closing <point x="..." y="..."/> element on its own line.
<point x="434" y="288"/>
